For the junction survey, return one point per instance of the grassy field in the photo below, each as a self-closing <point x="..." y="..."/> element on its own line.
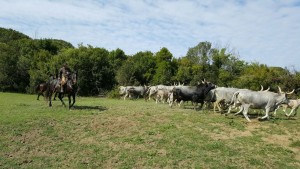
<point x="112" y="133"/>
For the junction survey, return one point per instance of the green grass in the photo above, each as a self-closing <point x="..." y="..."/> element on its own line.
<point x="113" y="133"/>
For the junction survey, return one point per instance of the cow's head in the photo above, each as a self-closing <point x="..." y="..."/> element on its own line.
<point x="122" y="90"/>
<point x="283" y="95"/>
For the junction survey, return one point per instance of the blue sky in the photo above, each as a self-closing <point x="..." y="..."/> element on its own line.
<point x="264" y="31"/>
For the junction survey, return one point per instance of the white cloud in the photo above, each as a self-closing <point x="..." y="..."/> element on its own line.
<point x="264" y="31"/>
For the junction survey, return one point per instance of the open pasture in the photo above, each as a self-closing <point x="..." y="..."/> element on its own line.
<point x="112" y="133"/>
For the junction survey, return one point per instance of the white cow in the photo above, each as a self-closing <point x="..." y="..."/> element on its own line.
<point x="259" y="100"/>
<point x="292" y="104"/>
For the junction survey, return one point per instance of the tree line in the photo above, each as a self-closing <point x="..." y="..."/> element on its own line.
<point x="26" y="62"/>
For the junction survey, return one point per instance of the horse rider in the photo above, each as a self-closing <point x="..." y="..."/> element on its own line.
<point x="64" y="72"/>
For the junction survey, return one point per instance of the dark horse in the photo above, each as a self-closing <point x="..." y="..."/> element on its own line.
<point x="42" y="88"/>
<point x="70" y="89"/>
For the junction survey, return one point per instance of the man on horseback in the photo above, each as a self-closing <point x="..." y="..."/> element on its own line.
<point x="64" y="73"/>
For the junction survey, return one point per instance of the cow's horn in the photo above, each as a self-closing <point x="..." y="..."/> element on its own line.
<point x="279" y="89"/>
<point x="261" y="88"/>
<point x="267" y="89"/>
<point x="291" y="92"/>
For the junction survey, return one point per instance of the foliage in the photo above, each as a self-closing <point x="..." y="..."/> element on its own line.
<point x="26" y="62"/>
<point x="165" y="68"/>
<point x="137" y="69"/>
<point x="8" y="35"/>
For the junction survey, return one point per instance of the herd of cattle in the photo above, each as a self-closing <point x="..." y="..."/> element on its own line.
<point x="206" y="92"/>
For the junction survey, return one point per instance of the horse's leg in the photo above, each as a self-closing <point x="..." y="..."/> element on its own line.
<point x="55" y="96"/>
<point x="50" y="96"/>
<point x="38" y="97"/>
<point x="69" y="97"/>
<point x="60" y="98"/>
<point x="73" y="95"/>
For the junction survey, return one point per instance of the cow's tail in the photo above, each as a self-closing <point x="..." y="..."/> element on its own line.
<point x="234" y="98"/>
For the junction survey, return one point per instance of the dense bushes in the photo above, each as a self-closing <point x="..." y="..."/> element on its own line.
<point x="26" y="62"/>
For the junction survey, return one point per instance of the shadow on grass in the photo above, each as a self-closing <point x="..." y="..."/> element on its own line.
<point x="258" y="117"/>
<point x="100" y="108"/>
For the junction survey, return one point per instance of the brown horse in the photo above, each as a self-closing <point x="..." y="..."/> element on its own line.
<point x="70" y="89"/>
<point x="41" y="89"/>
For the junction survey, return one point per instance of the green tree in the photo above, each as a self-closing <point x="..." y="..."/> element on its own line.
<point x="8" y="35"/>
<point x="95" y="74"/>
<point x="117" y="58"/>
<point x="185" y="71"/>
<point x="165" y="70"/>
<point x="125" y="75"/>
<point x="137" y="69"/>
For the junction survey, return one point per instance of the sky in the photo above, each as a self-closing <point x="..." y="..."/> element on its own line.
<point x="263" y="31"/>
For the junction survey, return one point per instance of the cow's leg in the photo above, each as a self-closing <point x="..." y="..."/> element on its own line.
<point x="288" y="115"/>
<point x="215" y="105"/>
<point x="201" y="105"/>
<point x="149" y="97"/>
<point x="267" y="114"/>
<point x="195" y="105"/>
<point x="219" y="107"/>
<point x="158" y="98"/>
<point x="284" y="110"/>
<point x="240" y="111"/>
<point x="125" y="96"/>
<point x="170" y="103"/>
<point x="275" y="111"/>
<point x="245" y="112"/>
<point x="229" y="110"/>
<point x="295" y="111"/>
<point x="180" y="103"/>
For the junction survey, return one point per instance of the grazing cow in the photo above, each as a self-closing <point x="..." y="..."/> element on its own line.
<point x="292" y="104"/>
<point x="196" y="94"/>
<point x="259" y="100"/>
